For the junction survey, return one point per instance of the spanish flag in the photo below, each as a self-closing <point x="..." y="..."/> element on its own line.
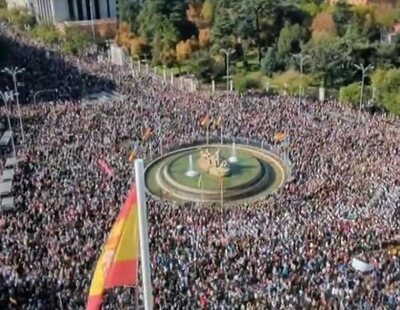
<point x="206" y="121"/>
<point x="118" y="263"/>
<point x="280" y="136"/>
<point x="219" y="121"/>
<point x="132" y="156"/>
<point x="146" y="134"/>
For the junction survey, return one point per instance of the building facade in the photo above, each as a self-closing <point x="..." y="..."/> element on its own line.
<point x="57" y="11"/>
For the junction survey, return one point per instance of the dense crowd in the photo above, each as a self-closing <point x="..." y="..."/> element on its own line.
<point x="290" y="250"/>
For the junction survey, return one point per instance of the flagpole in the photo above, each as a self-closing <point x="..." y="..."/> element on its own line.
<point x="143" y="233"/>
<point x="221" y="133"/>
<point x="202" y="191"/>
<point x="222" y="191"/>
<point x="136" y="298"/>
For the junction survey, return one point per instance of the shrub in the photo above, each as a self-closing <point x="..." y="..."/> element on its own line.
<point x="76" y="41"/>
<point x="254" y="80"/>
<point x="20" y="18"/>
<point x="351" y="93"/>
<point x="290" y="81"/>
<point x="46" y="33"/>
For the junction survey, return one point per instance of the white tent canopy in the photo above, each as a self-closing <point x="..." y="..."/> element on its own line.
<point x="361" y="266"/>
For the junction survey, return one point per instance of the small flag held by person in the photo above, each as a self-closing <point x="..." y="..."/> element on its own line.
<point x="105" y="167"/>
<point x="219" y="121"/>
<point x="147" y="134"/>
<point x="280" y="136"/>
<point x="132" y="156"/>
<point x="206" y="121"/>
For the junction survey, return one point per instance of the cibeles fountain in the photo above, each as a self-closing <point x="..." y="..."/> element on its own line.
<point x="203" y="173"/>
<point x="212" y="164"/>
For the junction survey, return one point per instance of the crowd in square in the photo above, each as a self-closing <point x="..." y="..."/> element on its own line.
<point x="290" y="250"/>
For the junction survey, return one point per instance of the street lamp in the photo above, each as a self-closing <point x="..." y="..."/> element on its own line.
<point x="228" y="52"/>
<point x="13" y="72"/>
<point x="364" y="71"/>
<point x="4" y="97"/>
<point x="92" y="18"/>
<point x="301" y="58"/>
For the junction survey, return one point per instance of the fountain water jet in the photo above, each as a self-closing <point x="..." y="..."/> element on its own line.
<point x="191" y="172"/>
<point x="233" y="158"/>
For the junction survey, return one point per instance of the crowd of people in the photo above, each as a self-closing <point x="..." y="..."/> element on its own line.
<point x="290" y="250"/>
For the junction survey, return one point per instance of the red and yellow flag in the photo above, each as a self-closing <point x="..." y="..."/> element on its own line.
<point x="219" y="121"/>
<point x="132" y="156"/>
<point x="206" y="121"/>
<point x="118" y="263"/>
<point x="146" y="134"/>
<point x="280" y="136"/>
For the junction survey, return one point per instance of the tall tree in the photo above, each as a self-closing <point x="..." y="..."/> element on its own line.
<point x="270" y="62"/>
<point x="343" y="16"/>
<point x="289" y="41"/>
<point x="128" y="12"/>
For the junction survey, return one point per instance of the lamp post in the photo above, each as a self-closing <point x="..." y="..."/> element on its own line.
<point x="364" y="71"/>
<point x="43" y="91"/>
<point x="13" y="72"/>
<point x="92" y="19"/>
<point x="228" y="52"/>
<point x="301" y="58"/>
<point x="4" y="97"/>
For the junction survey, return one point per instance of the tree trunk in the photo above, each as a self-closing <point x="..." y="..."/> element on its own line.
<point x="257" y="13"/>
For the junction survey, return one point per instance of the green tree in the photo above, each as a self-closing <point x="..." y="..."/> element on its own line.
<point x="270" y="63"/>
<point x="128" y="12"/>
<point x="311" y="8"/>
<point x="351" y="93"/>
<point x="222" y="29"/>
<point x="388" y="55"/>
<point x="330" y="61"/>
<point x="289" y="41"/>
<point x="21" y="18"/>
<point x="343" y="16"/>
<point x="207" y="11"/>
<point x="155" y="13"/>
<point x="75" y="41"/>
<point x="257" y="8"/>
<point x="164" y="42"/>
<point x="46" y="33"/>
<point x="3" y="4"/>
<point x="204" y="67"/>
<point x="387" y="85"/>
<point x="290" y="81"/>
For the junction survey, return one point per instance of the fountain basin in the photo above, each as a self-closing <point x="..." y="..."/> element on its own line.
<point x="257" y="173"/>
<point x="192" y="173"/>
<point x="233" y="159"/>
